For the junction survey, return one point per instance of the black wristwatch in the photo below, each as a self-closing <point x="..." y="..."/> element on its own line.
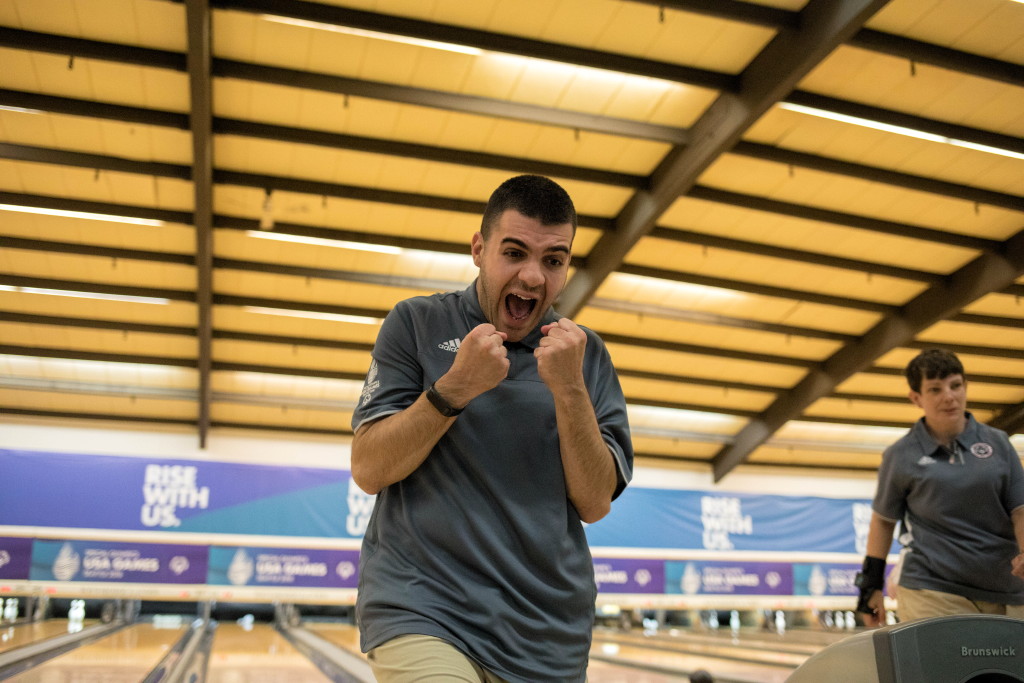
<point x="443" y="406"/>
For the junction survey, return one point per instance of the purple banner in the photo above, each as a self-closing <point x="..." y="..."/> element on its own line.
<point x="283" y="567"/>
<point x="729" y="578"/>
<point x="824" y="578"/>
<point x="15" y="558"/>
<point x="118" y="562"/>
<point x="616" y="575"/>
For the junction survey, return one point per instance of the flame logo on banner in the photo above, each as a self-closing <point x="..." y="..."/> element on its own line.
<point x="66" y="564"/>
<point x="240" y="570"/>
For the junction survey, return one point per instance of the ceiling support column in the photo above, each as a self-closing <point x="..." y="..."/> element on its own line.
<point x="201" y="122"/>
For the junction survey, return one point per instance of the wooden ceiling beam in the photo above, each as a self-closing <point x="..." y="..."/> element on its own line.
<point x="198" y="16"/>
<point x="989" y="272"/>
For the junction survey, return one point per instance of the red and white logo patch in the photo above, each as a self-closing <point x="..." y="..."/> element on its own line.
<point x="981" y="450"/>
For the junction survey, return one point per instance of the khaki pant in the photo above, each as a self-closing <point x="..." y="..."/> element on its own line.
<point x="408" y="659"/>
<point x="921" y="604"/>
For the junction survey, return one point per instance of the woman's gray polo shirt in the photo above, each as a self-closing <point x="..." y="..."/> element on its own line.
<point x="480" y="545"/>
<point x="955" y="508"/>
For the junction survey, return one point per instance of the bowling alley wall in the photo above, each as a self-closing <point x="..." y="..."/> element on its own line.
<point x="94" y="512"/>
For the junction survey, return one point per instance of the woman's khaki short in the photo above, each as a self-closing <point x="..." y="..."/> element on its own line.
<point x="921" y="604"/>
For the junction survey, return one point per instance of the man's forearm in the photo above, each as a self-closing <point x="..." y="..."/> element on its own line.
<point x="590" y="476"/>
<point x="388" y="450"/>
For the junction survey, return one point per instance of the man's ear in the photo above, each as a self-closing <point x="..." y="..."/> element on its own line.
<point x="477" y="248"/>
<point x="915" y="398"/>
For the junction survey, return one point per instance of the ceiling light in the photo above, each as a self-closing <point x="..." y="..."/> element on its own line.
<point x="86" y="295"/>
<point x="898" y="130"/>
<point x="324" y="242"/>
<point x="395" y="38"/>
<point x="315" y="315"/>
<point x="650" y="288"/>
<point x="566" y="70"/>
<point x="82" y="214"/>
<point x="20" y="110"/>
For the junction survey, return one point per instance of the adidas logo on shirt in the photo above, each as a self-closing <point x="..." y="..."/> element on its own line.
<point x="450" y="345"/>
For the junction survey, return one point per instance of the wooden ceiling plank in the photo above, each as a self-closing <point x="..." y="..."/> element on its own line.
<point x="446" y="101"/>
<point x="936" y="55"/>
<point x="812" y="213"/>
<point x="876" y="174"/>
<point x="485" y="40"/>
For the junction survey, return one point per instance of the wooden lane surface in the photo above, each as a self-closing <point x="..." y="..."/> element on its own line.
<point x="257" y="655"/>
<point x="125" y="656"/>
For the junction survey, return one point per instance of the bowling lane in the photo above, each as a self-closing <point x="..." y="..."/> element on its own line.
<point x="778" y="650"/>
<point x="677" y="665"/>
<point x="125" y="656"/>
<point x="791" y="639"/>
<point x="345" y="636"/>
<point x="618" y="662"/>
<point x="604" y="672"/>
<point x="257" y="654"/>
<point x="24" y="634"/>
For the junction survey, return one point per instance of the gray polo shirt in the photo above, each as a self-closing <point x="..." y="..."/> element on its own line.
<point x="955" y="508"/>
<point x="480" y="545"/>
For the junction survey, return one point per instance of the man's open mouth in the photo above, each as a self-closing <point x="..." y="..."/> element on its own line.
<point x="519" y="308"/>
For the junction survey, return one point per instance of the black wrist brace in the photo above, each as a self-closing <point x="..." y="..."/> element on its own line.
<point x="869" y="579"/>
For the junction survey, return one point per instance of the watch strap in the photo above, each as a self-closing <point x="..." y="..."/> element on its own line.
<point x="439" y="402"/>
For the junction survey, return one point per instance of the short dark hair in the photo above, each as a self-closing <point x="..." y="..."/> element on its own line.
<point x="932" y="364"/>
<point x="535" y="197"/>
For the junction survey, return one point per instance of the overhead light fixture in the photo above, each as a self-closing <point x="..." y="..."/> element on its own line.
<point x="651" y="288"/>
<point x="898" y="130"/>
<point x="20" y="110"/>
<point x="86" y="295"/>
<point x="82" y="214"/>
<point x="325" y="242"/>
<point x="395" y="38"/>
<point x="315" y="315"/>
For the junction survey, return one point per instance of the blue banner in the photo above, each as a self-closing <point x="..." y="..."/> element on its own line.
<point x="118" y="562"/>
<point x="283" y="567"/>
<point x="140" y="494"/>
<point x="171" y="496"/>
<point x="828" y="579"/>
<point x="825" y="579"/>
<point x="15" y="558"/>
<point x="706" y="520"/>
